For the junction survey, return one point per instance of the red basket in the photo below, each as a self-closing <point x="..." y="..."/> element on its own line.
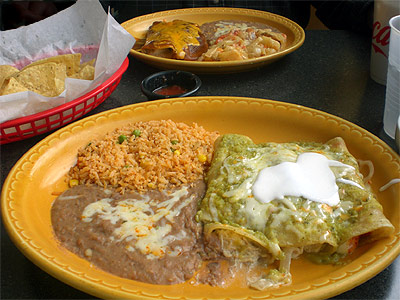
<point x="25" y="127"/>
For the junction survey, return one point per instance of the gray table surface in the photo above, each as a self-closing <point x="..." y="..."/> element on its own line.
<point x="330" y="72"/>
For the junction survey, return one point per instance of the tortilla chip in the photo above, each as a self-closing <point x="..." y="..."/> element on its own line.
<point x="90" y="63"/>
<point x="5" y="72"/>
<point x="71" y="61"/>
<point x="87" y="73"/>
<point x="47" y="76"/>
<point x="45" y="79"/>
<point x="12" y="86"/>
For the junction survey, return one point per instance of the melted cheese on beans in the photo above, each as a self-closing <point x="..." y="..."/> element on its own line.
<point x="139" y="221"/>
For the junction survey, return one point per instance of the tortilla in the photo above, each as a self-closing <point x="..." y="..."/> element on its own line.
<point x="86" y="73"/>
<point x="46" y="76"/>
<point x="5" y="72"/>
<point x="12" y="86"/>
<point x="71" y="62"/>
<point x="45" y="79"/>
<point x="88" y="63"/>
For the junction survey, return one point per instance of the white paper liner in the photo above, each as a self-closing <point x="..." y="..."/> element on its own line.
<point x="83" y="27"/>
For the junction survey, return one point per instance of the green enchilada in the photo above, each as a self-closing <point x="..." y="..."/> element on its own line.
<point x="318" y="205"/>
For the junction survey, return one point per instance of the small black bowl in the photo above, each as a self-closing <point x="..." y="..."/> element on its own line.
<point x="170" y="84"/>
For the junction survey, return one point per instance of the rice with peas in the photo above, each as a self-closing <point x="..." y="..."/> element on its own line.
<point x="146" y="155"/>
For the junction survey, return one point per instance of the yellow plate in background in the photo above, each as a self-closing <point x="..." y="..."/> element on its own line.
<point x="30" y="188"/>
<point x="138" y="27"/>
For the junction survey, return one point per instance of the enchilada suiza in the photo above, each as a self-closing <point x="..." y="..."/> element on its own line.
<point x="269" y="203"/>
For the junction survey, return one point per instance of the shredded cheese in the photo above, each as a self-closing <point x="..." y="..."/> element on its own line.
<point x="371" y="169"/>
<point x="389" y="184"/>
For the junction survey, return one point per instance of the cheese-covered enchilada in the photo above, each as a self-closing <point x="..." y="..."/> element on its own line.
<point x="176" y="39"/>
<point x="268" y="203"/>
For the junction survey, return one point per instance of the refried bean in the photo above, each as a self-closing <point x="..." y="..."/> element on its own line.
<point x="89" y="221"/>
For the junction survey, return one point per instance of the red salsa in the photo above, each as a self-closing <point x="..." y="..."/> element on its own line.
<point x="170" y="90"/>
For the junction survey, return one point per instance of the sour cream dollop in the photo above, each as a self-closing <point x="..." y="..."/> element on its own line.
<point x="310" y="177"/>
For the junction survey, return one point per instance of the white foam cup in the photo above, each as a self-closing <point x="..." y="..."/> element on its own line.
<point x="383" y="11"/>
<point x="392" y="98"/>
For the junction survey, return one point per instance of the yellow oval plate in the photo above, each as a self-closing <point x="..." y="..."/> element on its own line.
<point x="31" y="185"/>
<point x="138" y="27"/>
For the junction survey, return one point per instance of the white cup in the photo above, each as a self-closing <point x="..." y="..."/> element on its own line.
<point x="383" y="11"/>
<point x="392" y="99"/>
